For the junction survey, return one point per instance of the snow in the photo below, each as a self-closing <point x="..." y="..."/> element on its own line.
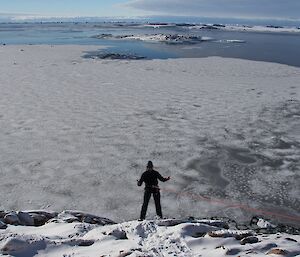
<point x="256" y="28"/>
<point x="159" y="38"/>
<point x="233" y="27"/>
<point x="146" y="238"/>
<point x="232" y="41"/>
<point x="272" y="29"/>
<point x="76" y="133"/>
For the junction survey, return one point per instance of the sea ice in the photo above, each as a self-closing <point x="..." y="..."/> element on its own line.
<point x="76" y="133"/>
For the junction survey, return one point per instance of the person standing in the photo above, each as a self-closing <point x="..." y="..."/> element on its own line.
<point x="150" y="177"/>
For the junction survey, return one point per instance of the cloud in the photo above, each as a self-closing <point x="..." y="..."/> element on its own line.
<point x="7" y="17"/>
<point x="289" y="9"/>
<point x="5" y="14"/>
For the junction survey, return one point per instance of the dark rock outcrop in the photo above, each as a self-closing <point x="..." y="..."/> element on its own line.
<point x="2" y="225"/>
<point x="12" y="219"/>
<point x="249" y="240"/>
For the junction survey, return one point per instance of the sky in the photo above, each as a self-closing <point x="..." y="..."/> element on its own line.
<point x="263" y="9"/>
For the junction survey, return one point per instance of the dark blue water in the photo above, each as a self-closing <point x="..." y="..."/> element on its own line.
<point x="272" y="47"/>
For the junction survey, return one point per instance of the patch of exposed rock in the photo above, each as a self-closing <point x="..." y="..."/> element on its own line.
<point x="2" y="225"/>
<point x="40" y="218"/>
<point x="112" y="56"/>
<point x="278" y="251"/>
<point x="249" y="240"/>
<point x="163" y="38"/>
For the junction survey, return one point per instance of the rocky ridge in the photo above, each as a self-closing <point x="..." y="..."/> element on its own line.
<point x="68" y="233"/>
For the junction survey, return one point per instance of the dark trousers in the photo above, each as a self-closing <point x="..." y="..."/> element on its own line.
<point x="147" y="196"/>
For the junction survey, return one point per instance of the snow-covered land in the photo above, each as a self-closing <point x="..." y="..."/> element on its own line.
<point x="228" y="27"/>
<point x="76" y="133"/>
<point x="270" y="28"/>
<point x="73" y="233"/>
<point x="162" y="38"/>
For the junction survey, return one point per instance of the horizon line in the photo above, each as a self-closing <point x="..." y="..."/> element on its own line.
<point x="24" y="17"/>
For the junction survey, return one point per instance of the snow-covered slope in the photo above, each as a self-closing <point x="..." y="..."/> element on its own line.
<point x="65" y="235"/>
<point x="76" y="134"/>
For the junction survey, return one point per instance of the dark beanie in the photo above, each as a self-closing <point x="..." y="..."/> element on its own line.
<point x="150" y="164"/>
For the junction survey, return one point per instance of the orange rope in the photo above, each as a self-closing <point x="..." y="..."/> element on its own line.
<point x="232" y="205"/>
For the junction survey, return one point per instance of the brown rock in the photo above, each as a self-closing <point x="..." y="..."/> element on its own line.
<point x="278" y="251"/>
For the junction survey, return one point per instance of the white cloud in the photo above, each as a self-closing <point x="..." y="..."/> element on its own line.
<point x="224" y="8"/>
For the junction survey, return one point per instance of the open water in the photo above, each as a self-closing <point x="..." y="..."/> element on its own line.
<point x="262" y="46"/>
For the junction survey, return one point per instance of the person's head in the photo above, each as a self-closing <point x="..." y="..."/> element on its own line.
<point x="149" y="165"/>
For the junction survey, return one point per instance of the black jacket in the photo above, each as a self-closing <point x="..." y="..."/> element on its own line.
<point x="151" y="177"/>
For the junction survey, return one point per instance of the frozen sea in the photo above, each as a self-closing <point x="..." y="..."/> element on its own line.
<point x="76" y="133"/>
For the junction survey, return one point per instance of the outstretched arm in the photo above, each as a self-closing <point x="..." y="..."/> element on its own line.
<point x="161" y="178"/>
<point x="140" y="182"/>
